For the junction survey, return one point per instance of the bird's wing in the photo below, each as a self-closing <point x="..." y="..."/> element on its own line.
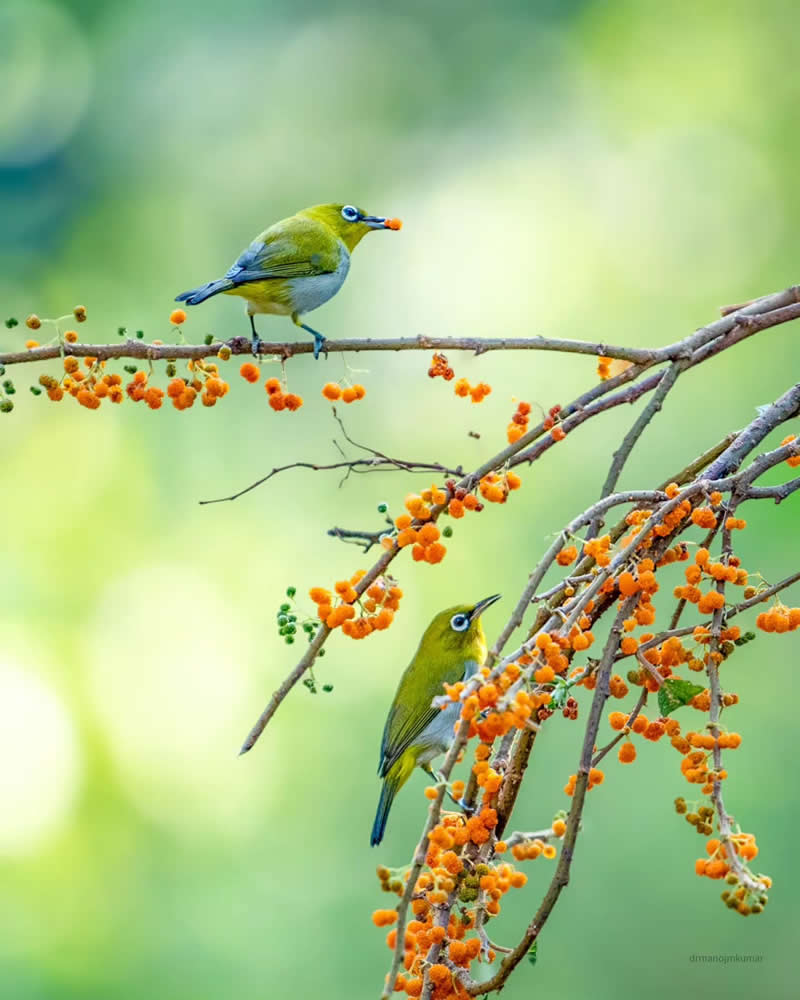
<point x="412" y="711"/>
<point x="293" y="248"/>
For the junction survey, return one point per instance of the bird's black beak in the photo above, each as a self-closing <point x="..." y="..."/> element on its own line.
<point x="481" y="606"/>
<point x="379" y="222"/>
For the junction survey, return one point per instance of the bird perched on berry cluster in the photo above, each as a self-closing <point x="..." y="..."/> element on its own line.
<point x="452" y="649"/>
<point x="296" y="265"/>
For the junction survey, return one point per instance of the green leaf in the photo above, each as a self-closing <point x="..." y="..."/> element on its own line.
<point x="674" y="692"/>
<point x="532" y="952"/>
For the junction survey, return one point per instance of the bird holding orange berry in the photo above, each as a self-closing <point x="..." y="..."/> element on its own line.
<point x="296" y="265"/>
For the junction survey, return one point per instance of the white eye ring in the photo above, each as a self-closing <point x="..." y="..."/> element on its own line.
<point x="349" y="213"/>
<point x="459" y="623"/>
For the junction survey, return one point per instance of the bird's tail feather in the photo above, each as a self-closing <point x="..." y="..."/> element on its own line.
<point x="388" y="793"/>
<point x="397" y="775"/>
<point x="197" y="295"/>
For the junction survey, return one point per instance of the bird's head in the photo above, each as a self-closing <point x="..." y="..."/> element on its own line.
<point x="459" y="629"/>
<point x="350" y="224"/>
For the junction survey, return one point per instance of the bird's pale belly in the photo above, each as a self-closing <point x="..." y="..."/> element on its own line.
<point x="438" y="735"/>
<point x="309" y="293"/>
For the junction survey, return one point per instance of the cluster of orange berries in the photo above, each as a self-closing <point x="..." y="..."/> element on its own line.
<point x="451" y="876"/>
<point x="416" y="527"/>
<point x="440" y="368"/>
<point x="557" y="432"/>
<point x="779" y="619"/>
<point x="599" y="549"/>
<point x="88" y="388"/>
<point x="519" y="422"/>
<point x="477" y="393"/>
<point x="378" y="605"/>
<point x="280" y="400"/>
<point x="461" y="501"/>
<point x="596" y="777"/>
<point x="529" y="850"/>
<point x="489" y="720"/>
<point x="495" y="486"/>
<point x="730" y="572"/>
<point x="333" y="391"/>
<point x="205" y="382"/>
<point x="717" y="865"/>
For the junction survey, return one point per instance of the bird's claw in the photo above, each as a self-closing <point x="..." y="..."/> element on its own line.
<point x="465" y="807"/>
<point x="319" y="344"/>
<point x="256" y="346"/>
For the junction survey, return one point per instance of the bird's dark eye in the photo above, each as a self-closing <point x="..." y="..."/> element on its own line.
<point x="349" y="213"/>
<point x="459" y="623"/>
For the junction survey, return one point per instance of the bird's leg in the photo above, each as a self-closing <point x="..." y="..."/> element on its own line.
<point x="255" y="337"/>
<point x="319" y="340"/>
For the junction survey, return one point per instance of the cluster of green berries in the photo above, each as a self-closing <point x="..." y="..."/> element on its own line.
<point x="389" y="880"/>
<point x="700" y="820"/>
<point x="287" y="629"/>
<point x="7" y="389"/>
<point x="471" y="884"/>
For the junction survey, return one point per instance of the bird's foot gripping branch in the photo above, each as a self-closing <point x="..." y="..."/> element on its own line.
<point x="595" y="620"/>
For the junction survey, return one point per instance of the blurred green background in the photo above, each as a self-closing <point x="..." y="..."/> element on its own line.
<point x="609" y="170"/>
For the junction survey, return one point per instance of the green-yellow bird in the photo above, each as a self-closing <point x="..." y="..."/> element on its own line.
<point x="295" y="265"/>
<point x="452" y="649"/>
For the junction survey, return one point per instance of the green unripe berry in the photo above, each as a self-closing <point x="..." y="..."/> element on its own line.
<point x="447" y="531"/>
<point x="285" y="607"/>
<point x="289" y="639"/>
<point x="291" y="591"/>
<point x="321" y="652"/>
<point x="327" y="687"/>
<point x="140" y="334"/>
<point x="208" y="339"/>
<point x="6" y="406"/>
<point x="121" y="331"/>
<point x="171" y="369"/>
<point x="36" y="390"/>
<point x="283" y="619"/>
<point x="382" y="508"/>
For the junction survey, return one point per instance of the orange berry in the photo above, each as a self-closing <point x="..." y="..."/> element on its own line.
<point x="434" y="553"/>
<point x="293" y="401"/>
<point x="331" y="391"/>
<point x="177" y="316"/>
<point x="249" y="372"/>
<point x="567" y="555"/>
<point x="428" y="534"/>
<point x="349" y="395"/>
